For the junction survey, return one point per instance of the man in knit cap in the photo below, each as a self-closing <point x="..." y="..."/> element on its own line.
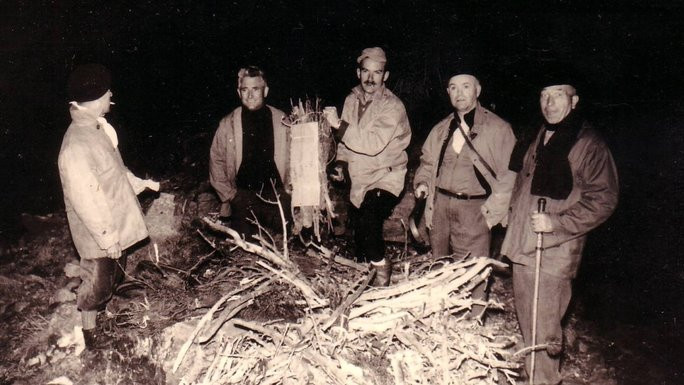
<point x="99" y="194"/>
<point x="373" y="134"/>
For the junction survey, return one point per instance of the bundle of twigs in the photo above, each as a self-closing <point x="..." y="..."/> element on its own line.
<point x="314" y="216"/>
<point x="413" y="332"/>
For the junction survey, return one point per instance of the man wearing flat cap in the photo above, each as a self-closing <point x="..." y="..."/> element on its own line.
<point x="464" y="175"/>
<point x="569" y="165"/>
<point x="374" y="132"/>
<point x="99" y="194"/>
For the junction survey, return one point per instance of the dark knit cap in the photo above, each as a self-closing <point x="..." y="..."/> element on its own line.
<point x="89" y="82"/>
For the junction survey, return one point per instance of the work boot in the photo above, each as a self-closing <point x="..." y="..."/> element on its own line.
<point x="383" y="272"/>
<point x="94" y="340"/>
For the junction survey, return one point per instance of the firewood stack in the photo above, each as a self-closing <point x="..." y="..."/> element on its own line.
<point x="415" y="331"/>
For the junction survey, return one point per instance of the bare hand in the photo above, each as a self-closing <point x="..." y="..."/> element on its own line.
<point x="114" y="251"/>
<point x="330" y="114"/>
<point x="152" y="185"/>
<point x="421" y="191"/>
<point x="541" y="223"/>
<point x="338" y="176"/>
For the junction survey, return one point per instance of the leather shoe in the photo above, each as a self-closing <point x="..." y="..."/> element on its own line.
<point x="383" y="273"/>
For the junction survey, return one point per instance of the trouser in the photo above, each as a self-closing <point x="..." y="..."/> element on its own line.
<point x="368" y="219"/>
<point x="458" y="227"/>
<point x="99" y="279"/>
<point x="246" y="205"/>
<point x="554" y="297"/>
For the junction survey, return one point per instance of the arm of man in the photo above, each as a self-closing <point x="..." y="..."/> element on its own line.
<point x="82" y="188"/>
<point x="495" y="208"/>
<point x="428" y="160"/>
<point x="222" y="161"/>
<point x="375" y="134"/>
<point x="599" y="190"/>
<point x="139" y="185"/>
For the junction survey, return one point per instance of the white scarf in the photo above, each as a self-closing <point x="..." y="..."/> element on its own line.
<point x="108" y="129"/>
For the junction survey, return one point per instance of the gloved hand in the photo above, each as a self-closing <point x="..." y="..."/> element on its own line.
<point x="421" y="192"/>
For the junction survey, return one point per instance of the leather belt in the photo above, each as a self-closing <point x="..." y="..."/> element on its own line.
<point x="460" y="195"/>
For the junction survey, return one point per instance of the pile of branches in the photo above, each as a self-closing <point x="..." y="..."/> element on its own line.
<point x="416" y="331"/>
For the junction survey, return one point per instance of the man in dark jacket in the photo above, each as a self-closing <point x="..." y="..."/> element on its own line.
<point x="571" y="167"/>
<point x="249" y="150"/>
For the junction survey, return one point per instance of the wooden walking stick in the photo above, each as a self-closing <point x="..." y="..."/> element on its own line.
<point x="541" y="205"/>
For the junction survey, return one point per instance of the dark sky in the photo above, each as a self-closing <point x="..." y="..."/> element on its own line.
<point x="174" y="67"/>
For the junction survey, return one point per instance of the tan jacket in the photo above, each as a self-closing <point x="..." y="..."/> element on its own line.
<point x="375" y="146"/>
<point x="101" y="204"/>
<point x="226" y="152"/>
<point x="592" y="200"/>
<point x="494" y="140"/>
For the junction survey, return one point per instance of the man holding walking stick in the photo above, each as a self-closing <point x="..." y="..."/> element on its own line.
<point x="569" y="166"/>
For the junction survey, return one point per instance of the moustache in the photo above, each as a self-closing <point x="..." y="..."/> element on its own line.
<point x="369" y="83"/>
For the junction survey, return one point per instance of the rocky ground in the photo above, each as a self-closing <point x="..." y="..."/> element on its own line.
<point x="183" y="276"/>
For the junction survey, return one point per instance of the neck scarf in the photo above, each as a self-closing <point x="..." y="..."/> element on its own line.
<point x="101" y="122"/>
<point x="552" y="174"/>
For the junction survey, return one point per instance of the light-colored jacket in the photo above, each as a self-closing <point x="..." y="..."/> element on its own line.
<point x="493" y="139"/>
<point x="226" y="152"/>
<point x="101" y="203"/>
<point x="375" y="146"/>
<point x="592" y="200"/>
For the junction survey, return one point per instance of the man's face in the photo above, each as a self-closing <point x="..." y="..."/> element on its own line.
<point x="106" y="102"/>
<point x="253" y="92"/>
<point x="463" y="92"/>
<point x="557" y="101"/>
<point x="372" y="75"/>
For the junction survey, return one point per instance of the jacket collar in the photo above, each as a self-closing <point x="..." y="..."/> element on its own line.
<point x="358" y="92"/>
<point x="81" y="116"/>
<point x="479" y="121"/>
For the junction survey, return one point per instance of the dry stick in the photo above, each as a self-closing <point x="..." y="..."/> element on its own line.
<point x="270" y="244"/>
<point x="204" y="320"/>
<point x="299" y="283"/>
<point x="362" y="284"/>
<point x="230" y="311"/>
<point x="282" y="217"/>
<point x="289" y="267"/>
<point x="330" y="255"/>
<point x="432" y="277"/>
<point x="248" y="246"/>
<point x="455" y="283"/>
<point x="409" y="340"/>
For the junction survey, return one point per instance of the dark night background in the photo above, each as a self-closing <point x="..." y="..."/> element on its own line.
<point x="174" y="67"/>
